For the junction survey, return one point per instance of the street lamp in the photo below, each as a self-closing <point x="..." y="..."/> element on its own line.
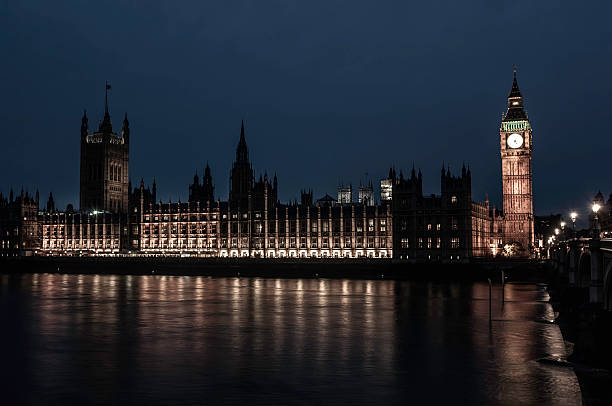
<point x="573" y="216"/>
<point x="556" y="231"/>
<point x="596" y="208"/>
<point x="562" y="224"/>
<point x="596" y="228"/>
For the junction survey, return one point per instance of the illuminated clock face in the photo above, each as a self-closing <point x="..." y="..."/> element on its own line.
<point x="514" y="140"/>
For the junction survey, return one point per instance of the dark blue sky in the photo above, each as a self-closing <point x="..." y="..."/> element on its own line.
<point x="330" y="90"/>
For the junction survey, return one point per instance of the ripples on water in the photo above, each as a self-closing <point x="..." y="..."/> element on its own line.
<point x="168" y="340"/>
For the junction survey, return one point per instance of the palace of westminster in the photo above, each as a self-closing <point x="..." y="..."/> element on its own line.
<point x="114" y="219"/>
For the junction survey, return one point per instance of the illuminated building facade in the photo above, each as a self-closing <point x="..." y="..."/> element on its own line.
<point x="19" y="227"/>
<point x="516" y="144"/>
<point x="405" y="225"/>
<point x="366" y="194"/>
<point x="105" y="159"/>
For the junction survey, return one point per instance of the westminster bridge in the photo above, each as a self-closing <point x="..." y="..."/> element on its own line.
<point x="587" y="264"/>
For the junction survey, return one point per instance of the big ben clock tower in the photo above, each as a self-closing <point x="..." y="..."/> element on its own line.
<point x="516" y="148"/>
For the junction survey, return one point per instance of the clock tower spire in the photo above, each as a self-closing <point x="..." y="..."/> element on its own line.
<point x="517" y="187"/>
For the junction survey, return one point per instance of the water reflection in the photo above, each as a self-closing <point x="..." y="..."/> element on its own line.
<point x="109" y="339"/>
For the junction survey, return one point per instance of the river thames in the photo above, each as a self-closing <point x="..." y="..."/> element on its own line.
<point x="194" y="340"/>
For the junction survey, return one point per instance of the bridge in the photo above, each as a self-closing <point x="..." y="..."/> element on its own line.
<point x="587" y="264"/>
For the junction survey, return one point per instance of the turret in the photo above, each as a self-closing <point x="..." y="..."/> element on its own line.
<point x="242" y="151"/>
<point x="84" y="125"/>
<point x="50" y="203"/>
<point x="125" y="131"/>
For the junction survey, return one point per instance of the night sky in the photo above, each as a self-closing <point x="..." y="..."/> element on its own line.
<point x="330" y="91"/>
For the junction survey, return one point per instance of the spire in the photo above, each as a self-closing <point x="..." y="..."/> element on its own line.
<point x="50" y="203"/>
<point x="514" y="91"/>
<point x="515" y="103"/>
<point x="207" y="170"/>
<point x="84" y="124"/>
<point x="125" y="132"/>
<point x="196" y="179"/>
<point x="242" y="151"/>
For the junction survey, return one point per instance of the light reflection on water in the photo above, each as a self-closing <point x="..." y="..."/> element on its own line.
<point x="165" y="339"/>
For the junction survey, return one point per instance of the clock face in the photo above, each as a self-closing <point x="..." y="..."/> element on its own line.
<point x="514" y="140"/>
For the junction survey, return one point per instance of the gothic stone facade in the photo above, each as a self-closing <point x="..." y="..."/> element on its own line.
<point x="105" y="158"/>
<point x="448" y="227"/>
<point x="406" y="225"/>
<point x="516" y="145"/>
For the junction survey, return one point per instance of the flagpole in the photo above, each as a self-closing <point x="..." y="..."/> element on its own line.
<point x="106" y="97"/>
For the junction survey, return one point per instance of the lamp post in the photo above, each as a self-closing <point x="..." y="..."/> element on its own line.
<point x="562" y="224"/>
<point x="596" y="227"/>
<point x="573" y="216"/>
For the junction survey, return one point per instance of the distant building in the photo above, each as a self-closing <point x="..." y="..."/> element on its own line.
<point x="386" y="187"/>
<point x="345" y="194"/>
<point x="366" y="194"/>
<point x="19" y="228"/>
<point x="544" y="227"/>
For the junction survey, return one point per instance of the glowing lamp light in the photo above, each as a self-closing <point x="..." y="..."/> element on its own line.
<point x="573" y="215"/>
<point x="556" y="231"/>
<point x="562" y="224"/>
<point x="596" y="207"/>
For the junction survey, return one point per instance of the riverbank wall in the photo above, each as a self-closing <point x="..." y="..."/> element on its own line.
<point x="587" y="329"/>
<point x="519" y="270"/>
